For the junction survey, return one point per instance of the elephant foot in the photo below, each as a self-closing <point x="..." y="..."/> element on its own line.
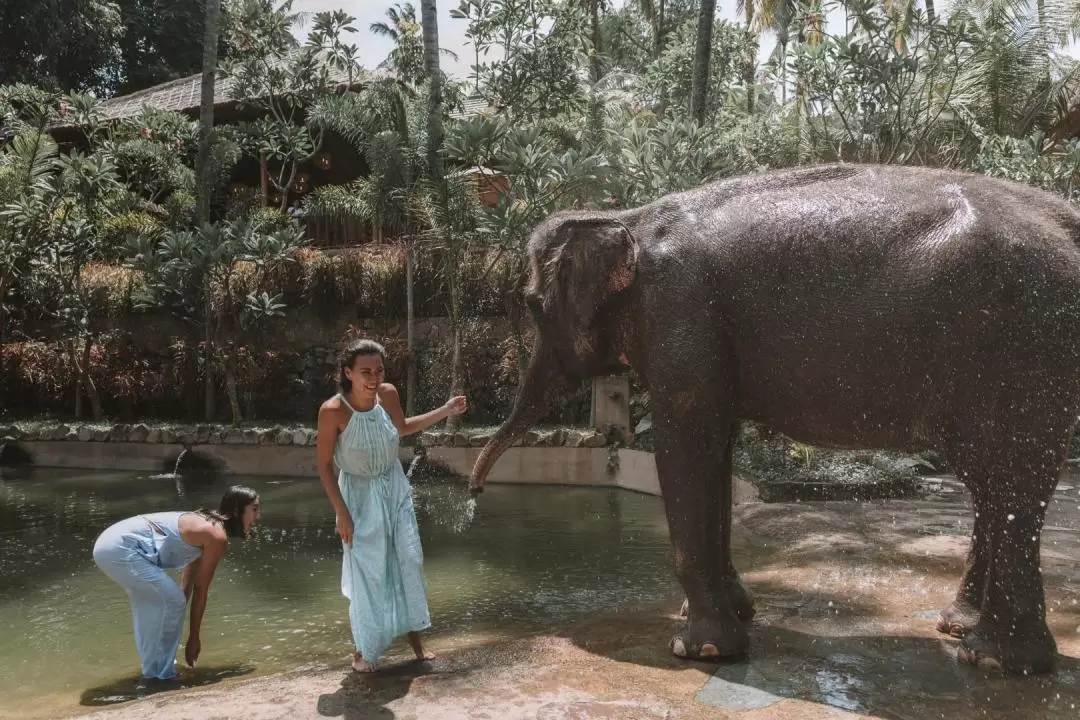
<point x="711" y="640"/>
<point x="742" y="602"/>
<point x="1015" y="653"/>
<point x="739" y="597"/>
<point x="958" y="619"/>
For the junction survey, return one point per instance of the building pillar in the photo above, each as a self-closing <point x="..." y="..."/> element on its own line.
<point x="611" y="404"/>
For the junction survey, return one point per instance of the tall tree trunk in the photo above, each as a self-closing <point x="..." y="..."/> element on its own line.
<point x="782" y="41"/>
<point x="3" y="344"/>
<point x="73" y="351"/>
<point x="84" y="383"/>
<point x="931" y="13"/>
<point x="202" y="170"/>
<point x="659" y="28"/>
<point x="231" y="389"/>
<point x="209" y="394"/>
<point x="595" y="120"/>
<point x="750" y="61"/>
<point x="456" y="369"/>
<point x="1045" y="80"/>
<point x="430" y="21"/>
<point x="206" y="107"/>
<point x="597" y="39"/>
<point x="96" y="411"/>
<point x="410" y="331"/>
<point x="699" y="91"/>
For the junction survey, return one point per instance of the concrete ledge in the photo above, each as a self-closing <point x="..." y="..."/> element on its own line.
<point x="266" y="460"/>
<point x="594" y="467"/>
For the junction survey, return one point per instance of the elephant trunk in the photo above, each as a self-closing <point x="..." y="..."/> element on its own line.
<point x="529" y="407"/>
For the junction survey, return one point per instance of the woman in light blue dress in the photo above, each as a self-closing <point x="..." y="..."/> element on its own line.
<point x="382" y="573"/>
<point x="137" y="551"/>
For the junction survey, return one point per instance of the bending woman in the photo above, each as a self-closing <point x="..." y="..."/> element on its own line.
<point x="137" y="551"/>
<point x="382" y="572"/>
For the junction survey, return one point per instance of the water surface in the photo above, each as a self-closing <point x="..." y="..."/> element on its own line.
<point x="531" y="559"/>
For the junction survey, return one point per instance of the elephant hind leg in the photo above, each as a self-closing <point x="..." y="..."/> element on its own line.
<point x="1000" y="609"/>
<point x="1010" y="631"/>
<point x="962" y="615"/>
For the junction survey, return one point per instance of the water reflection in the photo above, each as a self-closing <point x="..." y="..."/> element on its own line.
<point x="530" y="559"/>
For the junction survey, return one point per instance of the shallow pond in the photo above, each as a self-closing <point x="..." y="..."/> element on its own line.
<point x="530" y="559"/>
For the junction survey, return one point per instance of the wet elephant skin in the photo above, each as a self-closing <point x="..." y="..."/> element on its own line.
<point x="848" y="306"/>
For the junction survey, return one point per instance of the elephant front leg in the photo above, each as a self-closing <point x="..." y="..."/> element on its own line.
<point x="693" y="451"/>
<point x="741" y="600"/>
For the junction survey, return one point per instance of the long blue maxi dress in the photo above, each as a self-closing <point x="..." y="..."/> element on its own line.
<point x="382" y="573"/>
<point x="135" y="553"/>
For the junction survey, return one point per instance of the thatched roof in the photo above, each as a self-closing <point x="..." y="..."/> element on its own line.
<point x="183" y="95"/>
<point x="471" y="107"/>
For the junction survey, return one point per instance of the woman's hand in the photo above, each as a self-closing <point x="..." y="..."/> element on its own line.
<point x="192" y="650"/>
<point x="456" y="406"/>
<point x="344" y="527"/>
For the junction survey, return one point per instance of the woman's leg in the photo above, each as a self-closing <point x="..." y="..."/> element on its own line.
<point x="410" y="583"/>
<point x="157" y="606"/>
<point x="417" y="644"/>
<point x="363" y="574"/>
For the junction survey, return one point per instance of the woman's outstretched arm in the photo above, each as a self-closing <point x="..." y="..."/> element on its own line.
<point x="388" y="396"/>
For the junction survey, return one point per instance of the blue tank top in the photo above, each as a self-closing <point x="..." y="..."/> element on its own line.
<point x="169" y="549"/>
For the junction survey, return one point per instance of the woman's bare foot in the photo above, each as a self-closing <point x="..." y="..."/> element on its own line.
<point x="422" y="653"/>
<point x="360" y="665"/>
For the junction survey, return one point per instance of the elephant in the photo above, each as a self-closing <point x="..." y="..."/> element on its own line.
<point x="850" y="306"/>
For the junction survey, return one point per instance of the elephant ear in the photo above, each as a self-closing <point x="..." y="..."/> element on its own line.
<point x="595" y="258"/>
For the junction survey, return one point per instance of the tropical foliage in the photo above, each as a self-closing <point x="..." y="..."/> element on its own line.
<point x="588" y="104"/>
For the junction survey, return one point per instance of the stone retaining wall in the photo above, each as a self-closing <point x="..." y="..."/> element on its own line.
<point x="567" y="456"/>
<point x="560" y="456"/>
<point x="280" y="435"/>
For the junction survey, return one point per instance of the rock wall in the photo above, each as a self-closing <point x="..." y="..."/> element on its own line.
<point x="279" y="435"/>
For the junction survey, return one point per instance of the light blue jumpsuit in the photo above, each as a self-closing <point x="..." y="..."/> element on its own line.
<point x="135" y="553"/>
<point x="382" y="574"/>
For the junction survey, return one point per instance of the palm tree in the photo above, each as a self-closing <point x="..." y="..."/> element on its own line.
<point x="702" y="56"/>
<point x="407" y="57"/>
<point x="1016" y="78"/>
<point x="429" y="16"/>
<point x="775" y="15"/>
<point x="211" y="30"/>
<point x="386" y="126"/>
<point x="206" y="129"/>
<point x="380" y="124"/>
<point x="655" y="13"/>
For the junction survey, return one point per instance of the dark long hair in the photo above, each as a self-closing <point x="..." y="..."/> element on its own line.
<point x="355" y="349"/>
<point x="230" y="512"/>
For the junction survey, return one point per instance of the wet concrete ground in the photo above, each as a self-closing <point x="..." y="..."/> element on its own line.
<point x="847" y="595"/>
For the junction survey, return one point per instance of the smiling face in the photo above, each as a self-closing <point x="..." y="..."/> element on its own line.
<point x="366" y="374"/>
<point x="251" y="515"/>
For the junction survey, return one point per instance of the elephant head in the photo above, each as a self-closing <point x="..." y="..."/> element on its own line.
<point x="581" y="266"/>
